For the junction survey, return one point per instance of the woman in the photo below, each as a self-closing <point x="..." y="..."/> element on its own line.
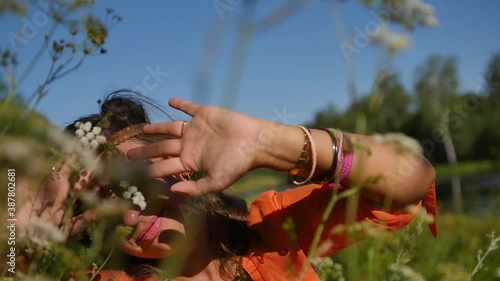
<point x="215" y="237"/>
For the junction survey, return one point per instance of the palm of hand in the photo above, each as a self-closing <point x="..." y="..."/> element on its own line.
<point x="219" y="143"/>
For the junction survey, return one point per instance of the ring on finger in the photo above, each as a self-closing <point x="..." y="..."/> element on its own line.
<point x="182" y="127"/>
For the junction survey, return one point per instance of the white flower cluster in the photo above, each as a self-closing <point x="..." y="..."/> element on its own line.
<point x="391" y="40"/>
<point x="131" y="193"/>
<point x="425" y="10"/>
<point x="43" y="231"/>
<point x="406" y="142"/>
<point x="89" y="135"/>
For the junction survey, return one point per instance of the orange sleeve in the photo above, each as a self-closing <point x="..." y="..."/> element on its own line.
<point x="305" y="207"/>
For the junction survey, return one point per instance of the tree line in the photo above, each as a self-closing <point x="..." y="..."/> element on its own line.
<point x="449" y="123"/>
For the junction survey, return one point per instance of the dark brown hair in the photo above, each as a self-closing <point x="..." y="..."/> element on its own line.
<point x="228" y="234"/>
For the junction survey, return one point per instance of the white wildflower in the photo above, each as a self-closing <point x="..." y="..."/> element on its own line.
<point x="44" y="243"/>
<point x="423" y="8"/>
<point x="44" y="229"/>
<point x="142" y="205"/>
<point x="136" y="200"/>
<point x="407" y="272"/>
<point x="94" y="144"/>
<point x="100" y="139"/>
<point x="403" y="140"/>
<point x="89" y="160"/>
<point x="413" y="209"/>
<point x="317" y="261"/>
<point x="132" y="189"/>
<point x="139" y="200"/>
<point x="84" y="140"/>
<point x="397" y="42"/>
<point x="430" y="21"/>
<point x="392" y="41"/>
<point x="87" y="126"/>
<point x="88" y="135"/>
<point x="79" y="133"/>
<point x="127" y="195"/>
<point x="133" y="193"/>
<point x="96" y="130"/>
<point x="124" y="184"/>
<point x="70" y="145"/>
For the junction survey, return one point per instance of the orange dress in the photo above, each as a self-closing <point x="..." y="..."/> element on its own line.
<point x="279" y="254"/>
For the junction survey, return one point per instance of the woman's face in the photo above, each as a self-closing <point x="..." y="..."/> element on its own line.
<point x="168" y="224"/>
<point x="165" y="226"/>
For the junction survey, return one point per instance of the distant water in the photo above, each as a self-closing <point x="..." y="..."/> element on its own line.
<point x="480" y="194"/>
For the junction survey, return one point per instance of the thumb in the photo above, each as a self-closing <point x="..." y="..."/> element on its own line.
<point x="193" y="188"/>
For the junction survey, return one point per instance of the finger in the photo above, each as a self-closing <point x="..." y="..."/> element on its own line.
<point x="193" y="188"/>
<point x="173" y="128"/>
<point x="184" y="106"/>
<point x="158" y="149"/>
<point x="80" y="221"/>
<point x="189" y="188"/>
<point x="167" y="167"/>
<point x="57" y="188"/>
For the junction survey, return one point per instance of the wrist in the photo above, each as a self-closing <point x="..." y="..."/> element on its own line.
<point x="279" y="146"/>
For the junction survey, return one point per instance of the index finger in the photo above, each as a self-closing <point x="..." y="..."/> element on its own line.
<point x="157" y="149"/>
<point x="184" y="106"/>
<point x="171" y="128"/>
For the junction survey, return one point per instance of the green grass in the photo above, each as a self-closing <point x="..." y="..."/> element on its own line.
<point x="467" y="168"/>
<point x="451" y="256"/>
<point x="258" y="180"/>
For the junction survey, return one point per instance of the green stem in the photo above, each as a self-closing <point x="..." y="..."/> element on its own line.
<point x="319" y="231"/>
<point x="94" y="274"/>
<point x="37" y="56"/>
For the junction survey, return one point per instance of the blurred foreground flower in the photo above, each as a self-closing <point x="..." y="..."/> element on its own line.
<point x="42" y="230"/>
<point x="405" y="142"/>
<point x="393" y="42"/>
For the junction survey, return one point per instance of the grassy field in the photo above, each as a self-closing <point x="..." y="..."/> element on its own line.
<point x="467" y="168"/>
<point x="413" y="254"/>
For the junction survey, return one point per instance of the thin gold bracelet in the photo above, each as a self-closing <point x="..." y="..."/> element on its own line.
<point x="304" y="158"/>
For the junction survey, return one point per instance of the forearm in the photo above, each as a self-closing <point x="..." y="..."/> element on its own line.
<point x="389" y="171"/>
<point x="383" y="170"/>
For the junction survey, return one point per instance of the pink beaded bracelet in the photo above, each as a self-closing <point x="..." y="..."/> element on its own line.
<point x="347" y="162"/>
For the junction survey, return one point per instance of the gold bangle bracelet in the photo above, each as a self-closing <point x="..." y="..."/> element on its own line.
<point x="304" y="158"/>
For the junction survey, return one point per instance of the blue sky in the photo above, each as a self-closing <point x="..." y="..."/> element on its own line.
<point x="295" y="68"/>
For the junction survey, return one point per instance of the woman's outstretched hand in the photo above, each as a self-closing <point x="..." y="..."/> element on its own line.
<point x="221" y="144"/>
